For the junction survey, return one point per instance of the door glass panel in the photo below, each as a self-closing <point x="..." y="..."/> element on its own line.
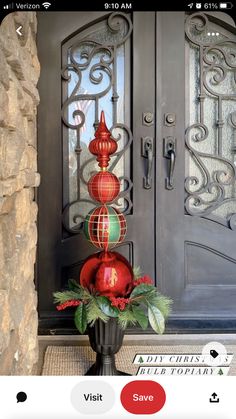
<point x="96" y="77"/>
<point x="211" y="121"/>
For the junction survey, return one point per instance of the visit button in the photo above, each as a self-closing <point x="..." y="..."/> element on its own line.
<point x="143" y="397"/>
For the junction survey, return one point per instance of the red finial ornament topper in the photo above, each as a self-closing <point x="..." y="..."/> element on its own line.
<point x="103" y="144"/>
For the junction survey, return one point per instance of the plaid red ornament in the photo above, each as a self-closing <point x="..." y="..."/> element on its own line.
<point x="104" y="187"/>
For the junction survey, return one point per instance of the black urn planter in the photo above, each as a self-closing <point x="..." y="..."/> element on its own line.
<point x="106" y="340"/>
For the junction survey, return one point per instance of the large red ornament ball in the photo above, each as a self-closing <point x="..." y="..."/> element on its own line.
<point x="104" y="187"/>
<point x="114" y="278"/>
<point x="105" y="227"/>
<point x="110" y="274"/>
<point x="89" y="269"/>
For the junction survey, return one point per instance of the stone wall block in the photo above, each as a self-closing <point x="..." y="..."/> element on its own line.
<point x="26" y="324"/>
<point x="4" y="106"/>
<point x="29" y="159"/>
<point x="26" y="249"/>
<point x="17" y="64"/>
<point x="8" y="259"/>
<point x="6" y="205"/>
<point x="31" y="178"/>
<point x="4" y="71"/>
<point x="31" y="132"/>
<point x="11" y="270"/>
<point x="21" y="307"/>
<point x="8" y="228"/>
<point x="30" y="89"/>
<point x="35" y="65"/>
<point x="8" y="355"/>
<point x="33" y="234"/>
<point x="3" y="134"/>
<point x="33" y="212"/>
<point x="8" y="250"/>
<point x="25" y="178"/>
<point x="33" y="24"/>
<point x="22" y="209"/>
<point x="27" y="105"/>
<point x="4" y="320"/>
<point x="13" y="148"/>
<point x="17" y="306"/>
<point x="2" y="261"/>
<point x="32" y="256"/>
<point x="9" y="186"/>
<point x="24" y="263"/>
<point x="15" y="118"/>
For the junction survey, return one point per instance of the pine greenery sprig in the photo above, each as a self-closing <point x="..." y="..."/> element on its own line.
<point x="61" y="297"/>
<point x="94" y="312"/>
<point x="163" y="303"/>
<point x="126" y="317"/>
<point x="145" y="305"/>
<point x="137" y="272"/>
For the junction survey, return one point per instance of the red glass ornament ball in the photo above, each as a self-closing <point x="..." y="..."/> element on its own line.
<point x="88" y="271"/>
<point x="104" y="187"/>
<point x="109" y="273"/>
<point x="114" y="278"/>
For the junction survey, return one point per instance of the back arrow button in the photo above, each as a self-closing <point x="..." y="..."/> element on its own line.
<point x="18" y="30"/>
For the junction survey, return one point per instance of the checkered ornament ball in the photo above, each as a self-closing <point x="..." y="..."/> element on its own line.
<point x="105" y="227"/>
<point x="104" y="187"/>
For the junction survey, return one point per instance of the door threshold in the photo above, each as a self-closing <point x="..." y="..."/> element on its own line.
<point x="150" y="339"/>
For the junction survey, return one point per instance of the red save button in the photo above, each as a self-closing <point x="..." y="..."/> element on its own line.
<point x="143" y="397"/>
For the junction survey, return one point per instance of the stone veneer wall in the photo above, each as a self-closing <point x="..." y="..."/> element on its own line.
<point x="19" y="73"/>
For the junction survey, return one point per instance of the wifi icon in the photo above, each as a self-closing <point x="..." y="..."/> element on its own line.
<point x="46" y="5"/>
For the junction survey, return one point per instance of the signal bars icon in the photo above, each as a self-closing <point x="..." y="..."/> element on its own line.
<point x="8" y="6"/>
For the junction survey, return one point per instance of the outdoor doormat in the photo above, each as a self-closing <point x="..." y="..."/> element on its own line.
<point x="142" y="360"/>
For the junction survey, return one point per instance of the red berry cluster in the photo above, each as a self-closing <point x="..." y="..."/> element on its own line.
<point x="143" y="280"/>
<point x="69" y="303"/>
<point x="119" y="302"/>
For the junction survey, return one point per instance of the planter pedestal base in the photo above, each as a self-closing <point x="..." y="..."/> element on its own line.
<point x="106" y="340"/>
<point x="105" y="365"/>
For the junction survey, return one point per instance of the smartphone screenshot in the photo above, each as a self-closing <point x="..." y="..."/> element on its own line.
<point x="117" y="210"/>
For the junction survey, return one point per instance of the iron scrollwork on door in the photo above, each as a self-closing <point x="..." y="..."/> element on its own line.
<point x="94" y="79"/>
<point x="211" y="135"/>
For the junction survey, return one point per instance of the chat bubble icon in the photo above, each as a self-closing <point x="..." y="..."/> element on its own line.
<point x="21" y="397"/>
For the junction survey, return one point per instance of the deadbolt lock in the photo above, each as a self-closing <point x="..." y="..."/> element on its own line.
<point x="148" y="118"/>
<point x="170" y="119"/>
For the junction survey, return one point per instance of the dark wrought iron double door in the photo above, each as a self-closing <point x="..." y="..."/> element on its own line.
<point x="166" y="82"/>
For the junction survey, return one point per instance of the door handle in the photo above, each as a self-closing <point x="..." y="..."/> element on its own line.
<point x="170" y="154"/>
<point x="170" y="178"/>
<point x="147" y="152"/>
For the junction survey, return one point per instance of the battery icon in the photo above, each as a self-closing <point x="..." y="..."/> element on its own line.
<point x="226" y="5"/>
